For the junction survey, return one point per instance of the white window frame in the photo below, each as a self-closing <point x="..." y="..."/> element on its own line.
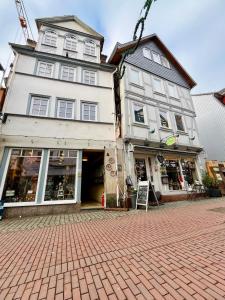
<point x="135" y="104"/>
<point x="32" y="103"/>
<point x="162" y="90"/>
<point x="161" y="111"/>
<point x="85" y="71"/>
<point x="139" y="77"/>
<point x="147" y="53"/>
<point x="46" y="63"/>
<point x="154" y="55"/>
<point x="90" y="104"/>
<point x="52" y="36"/>
<point x="174" y="94"/>
<point x="90" y="48"/>
<point x="66" y="101"/>
<point x="183" y="123"/>
<point x="70" y="39"/>
<point x="69" y="67"/>
<point x="165" y="62"/>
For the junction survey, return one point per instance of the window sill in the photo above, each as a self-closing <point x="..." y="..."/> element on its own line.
<point x="90" y="55"/>
<point x="74" y="51"/>
<point x="140" y="125"/>
<point x="181" y="132"/>
<point x="49" y="45"/>
<point x="166" y="129"/>
<point x="160" y="94"/>
<point x="174" y="98"/>
<point x="137" y="85"/>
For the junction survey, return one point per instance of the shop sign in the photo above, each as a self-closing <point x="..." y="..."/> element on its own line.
<point x="170" y="140"/>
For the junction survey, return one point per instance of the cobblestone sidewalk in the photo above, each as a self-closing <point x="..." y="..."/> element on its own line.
<point x="176" y="251"/>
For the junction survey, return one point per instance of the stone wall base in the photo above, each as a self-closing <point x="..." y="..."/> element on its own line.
<point x="181" y="197"/>
<point x="41" y="210"/>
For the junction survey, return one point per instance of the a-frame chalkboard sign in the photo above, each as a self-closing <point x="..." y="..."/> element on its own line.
<point x="142" y="194"/>
<point x="144" y="187"/>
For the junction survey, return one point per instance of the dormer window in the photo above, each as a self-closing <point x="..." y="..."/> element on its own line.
<point x="70" y="43"/>
<point x="50" y="38"/>
<point x="156" y="57"/>
<point x="165" y="62"/>
<point x="89" y="47"/>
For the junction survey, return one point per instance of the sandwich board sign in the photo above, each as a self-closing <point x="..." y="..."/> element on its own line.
<point x="142" y="194"/>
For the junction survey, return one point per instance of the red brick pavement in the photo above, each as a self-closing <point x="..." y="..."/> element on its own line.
<point x="170" y="253"/>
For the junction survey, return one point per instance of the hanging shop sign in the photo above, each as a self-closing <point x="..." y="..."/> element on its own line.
<point x="171" y="141"/>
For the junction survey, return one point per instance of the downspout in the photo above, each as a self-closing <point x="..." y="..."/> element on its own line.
<point x="116" y="152"/>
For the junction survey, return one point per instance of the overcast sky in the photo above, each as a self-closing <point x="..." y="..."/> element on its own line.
<point x="193" y="30"/>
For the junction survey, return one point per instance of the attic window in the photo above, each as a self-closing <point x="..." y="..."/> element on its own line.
<point x="147" y="53"/>
<point x="50" y="38"/>
<point x="70" y="43"/>
<point x="165" y="62"/>
<point x="156" y="57"/>
<point x="89" y="47"/>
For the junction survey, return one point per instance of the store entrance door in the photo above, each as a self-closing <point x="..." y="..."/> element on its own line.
<point x="92" y="185"/>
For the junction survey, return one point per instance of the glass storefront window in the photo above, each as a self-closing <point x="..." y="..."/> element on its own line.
<point x="140" y="168"/>
<point x="22" y="175"/>
<point x="174" y="175"/>
<point x="61" y="175"/>
<point x="189" y="171"/>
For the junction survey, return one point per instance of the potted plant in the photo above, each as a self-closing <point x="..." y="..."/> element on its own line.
<point x="211" y="185"/>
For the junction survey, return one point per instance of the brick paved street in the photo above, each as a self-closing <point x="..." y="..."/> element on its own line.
<point x="174" y="252"/>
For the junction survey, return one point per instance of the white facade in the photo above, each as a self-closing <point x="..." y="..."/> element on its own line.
<point x="156" y="104"/>
<point x="60" y="97"/>
<point x="210" y="119"/>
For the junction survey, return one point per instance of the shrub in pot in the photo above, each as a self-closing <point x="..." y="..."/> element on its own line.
<point x="211" y="185"/>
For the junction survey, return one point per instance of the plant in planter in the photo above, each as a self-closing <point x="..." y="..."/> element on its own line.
<point x="211" y="185"/>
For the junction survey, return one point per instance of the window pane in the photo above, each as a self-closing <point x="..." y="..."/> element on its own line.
<point x="172" y="90"/>
<point x="164" y="119"/>
<point x="157" y="85"/>
<point x="65" y="109"/>
<point x="39" y="106"/>
<point x="134" y="76"/>
<point x="147" y="53"/>
<point x="165" y="62"/>
<point x="90" y="77"/>
<point x="61" y="178"/>
<point x="22" y="177"/>
<point x="89" y="48"/>
<point x="89" y="112"/>
<point x="156" y="57"/>
<point x="50" y="38"/>
<point x="179" y="123"/>
<point x="139" y="114"/>
<point x="45" y="69"/>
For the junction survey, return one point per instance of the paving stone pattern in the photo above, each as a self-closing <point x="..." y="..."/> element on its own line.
<point x="176" y="251"/>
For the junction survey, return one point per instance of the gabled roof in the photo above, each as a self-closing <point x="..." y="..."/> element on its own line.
<point x="68" y="18"/>
<point x="120" y="48"/>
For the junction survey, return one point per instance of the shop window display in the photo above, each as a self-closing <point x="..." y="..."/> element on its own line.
<point x="174" y="176"/>
<point x="22" y="175"/>
<point x="189" y="171"/>
<point x="140" y="168"/>
<point x="61" y="175"/>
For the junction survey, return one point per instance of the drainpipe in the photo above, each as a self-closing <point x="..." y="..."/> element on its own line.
<point x="116" y="152"/>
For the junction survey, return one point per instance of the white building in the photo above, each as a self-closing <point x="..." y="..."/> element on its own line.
<point x="59" y="127"/>
<point x="155" y="106"/>
<point x="210" y="111"/>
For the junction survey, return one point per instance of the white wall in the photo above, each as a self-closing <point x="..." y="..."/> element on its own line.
<point x="211" y="124"/>
<point x="59" y="49"/>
